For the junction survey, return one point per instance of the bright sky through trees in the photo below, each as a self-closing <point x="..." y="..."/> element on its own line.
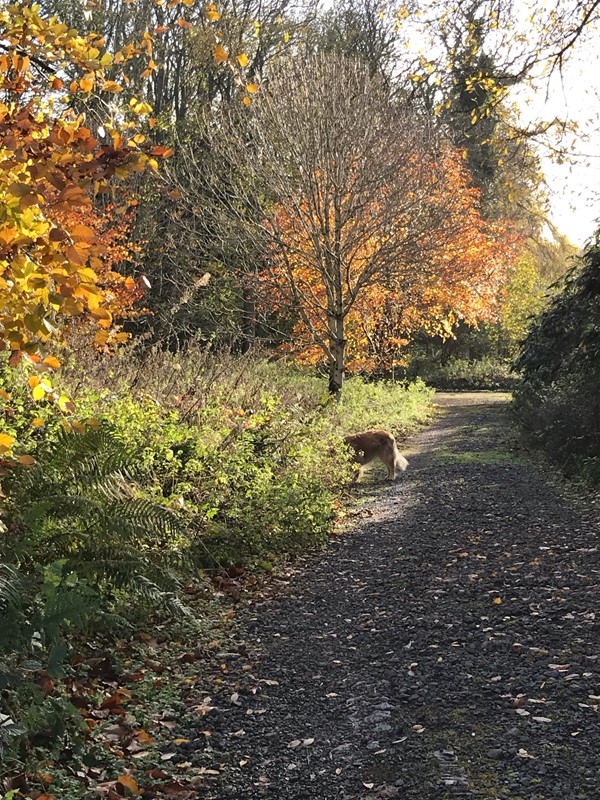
<point x="574" y="187"/>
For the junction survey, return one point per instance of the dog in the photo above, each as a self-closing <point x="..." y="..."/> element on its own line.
<point x="376" y="446"/>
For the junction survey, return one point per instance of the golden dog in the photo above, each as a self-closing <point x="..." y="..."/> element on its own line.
<point x="376" y="446"/>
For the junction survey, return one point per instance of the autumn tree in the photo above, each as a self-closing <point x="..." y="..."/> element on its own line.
<point x="204" y="56"/>
<point x="358" y="197"/>
<point x="52" y="165"/>
<point x="201" y="52"/>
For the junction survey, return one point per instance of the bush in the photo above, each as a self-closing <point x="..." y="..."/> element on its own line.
<point x="463" y="374"/>
<point x="558" y="399"/>
<point x="248" y="450"/>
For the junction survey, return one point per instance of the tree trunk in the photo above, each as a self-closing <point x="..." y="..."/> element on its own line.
<point x="336" y="364"/>
<point x="248" y="317"/>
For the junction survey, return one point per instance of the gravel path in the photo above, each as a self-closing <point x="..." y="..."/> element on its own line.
<point x="447" y="647"/>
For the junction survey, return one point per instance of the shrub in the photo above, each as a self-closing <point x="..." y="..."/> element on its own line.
<point x="558" y="399"/>
<point x="464" y="374"/>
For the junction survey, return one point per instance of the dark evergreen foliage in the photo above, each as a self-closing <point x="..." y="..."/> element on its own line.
<point x="559" y="397"/>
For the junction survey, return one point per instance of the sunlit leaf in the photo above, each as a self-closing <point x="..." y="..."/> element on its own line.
<point x="65" y="404"/>
<point x="6" y="441"/>
<point x="38" y="392"/>
<point x="220" y="54"/>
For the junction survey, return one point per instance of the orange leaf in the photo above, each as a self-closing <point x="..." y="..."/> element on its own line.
<point x="86" y="84"/>
<point x="83" y="233"/>
<point x="252" y="88"/>
<point x="220" y="54"/>
<point x="163" y="152"/>
<point x="111" y="86"/>
<point x="52" y="362"/>
<point x="127" y="782"/>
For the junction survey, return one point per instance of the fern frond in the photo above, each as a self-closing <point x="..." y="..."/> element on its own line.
<point x="10" y="587"/>
<point x="79" y="504"/>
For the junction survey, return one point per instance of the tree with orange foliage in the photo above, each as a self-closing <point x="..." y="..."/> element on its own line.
<point x="373" y="230"/>
<point x="115" y="253"/>
<point x="51" y="165"/>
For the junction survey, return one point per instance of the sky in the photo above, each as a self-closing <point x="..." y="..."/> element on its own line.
<point x="573" y="188"/>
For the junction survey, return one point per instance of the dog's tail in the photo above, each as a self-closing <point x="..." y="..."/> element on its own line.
<point x="399" y="461"/>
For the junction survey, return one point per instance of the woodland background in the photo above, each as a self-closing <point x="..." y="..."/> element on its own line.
<point x="231" y="234"/>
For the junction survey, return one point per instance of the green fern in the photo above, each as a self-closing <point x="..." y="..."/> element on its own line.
<point x="10" y="588"/>
<point x="78" y="506"/>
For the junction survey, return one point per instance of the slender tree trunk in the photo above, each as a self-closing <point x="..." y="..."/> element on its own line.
<point x="248" y="317"/>
<point x="338" y="350"/>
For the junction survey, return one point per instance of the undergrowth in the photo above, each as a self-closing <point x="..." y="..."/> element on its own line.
<point x="173" y="469"/>
<point x="464" y="374"/>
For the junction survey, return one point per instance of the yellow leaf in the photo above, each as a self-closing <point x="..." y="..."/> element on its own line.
<point x="38" y="392"/>
<point x="211" y="13"/>
<point x="252" y="88"/>
<point x="6" y="440"/>
<point x="101" y="338"/>
<point x="37" y="422"/>
<point x="65" y="404"/>
<point x="497" y="601"/>
<point x="220" y="54"/>
<point x="246" y="101"/>
<point x="243" y="60"/>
